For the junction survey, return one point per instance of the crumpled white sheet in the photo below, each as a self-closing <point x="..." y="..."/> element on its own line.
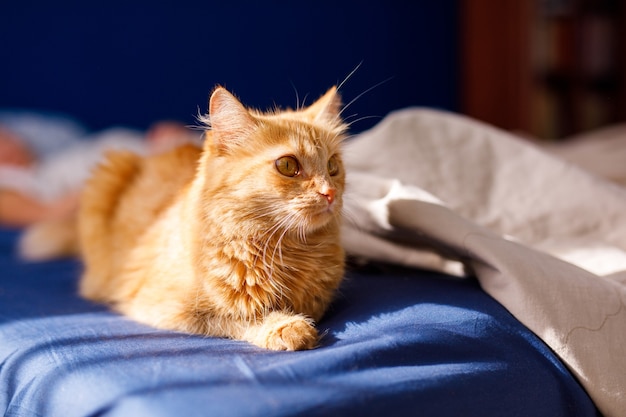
<point x="601" y="151"/>
<point x="426" y="188"/>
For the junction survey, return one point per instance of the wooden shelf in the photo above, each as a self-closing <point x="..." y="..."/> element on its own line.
<point x="550" y="68"/>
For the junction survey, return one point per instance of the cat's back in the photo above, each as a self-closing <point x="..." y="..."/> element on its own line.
<point x="128" y="189"/>
<point x="124" y="196"/>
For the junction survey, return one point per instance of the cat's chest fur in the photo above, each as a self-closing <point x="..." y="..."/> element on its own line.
<point x="252" y="275"/>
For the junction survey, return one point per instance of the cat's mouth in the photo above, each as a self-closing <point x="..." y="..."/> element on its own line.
<point x="321" y="217"/>
<point x="316" y="215"/>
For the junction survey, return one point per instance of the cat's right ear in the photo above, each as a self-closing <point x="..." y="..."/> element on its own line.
<point x="230" y="121"/>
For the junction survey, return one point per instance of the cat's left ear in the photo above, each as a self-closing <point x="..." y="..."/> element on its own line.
<point x="327" y="109"/>
<point x="231" y="122"/>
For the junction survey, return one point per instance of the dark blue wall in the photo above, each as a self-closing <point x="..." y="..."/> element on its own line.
<point x="138" y="61"/>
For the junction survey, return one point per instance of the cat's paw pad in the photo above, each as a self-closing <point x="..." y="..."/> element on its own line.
<point x="289" y="333"/>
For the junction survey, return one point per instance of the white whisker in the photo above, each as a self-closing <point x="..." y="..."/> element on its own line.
<point x="351" y="219"/>
<point x="351" y="122"/>
<point x="298" y="108"/>
<point x="349" y="75"/>
<point x="363" y="93"/>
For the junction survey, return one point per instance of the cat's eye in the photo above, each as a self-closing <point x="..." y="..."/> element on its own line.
<point x="288" y="166"/>
<point x="333" y="166"/>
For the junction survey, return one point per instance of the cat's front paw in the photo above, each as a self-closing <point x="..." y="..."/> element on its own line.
<point x="286" y="332"/>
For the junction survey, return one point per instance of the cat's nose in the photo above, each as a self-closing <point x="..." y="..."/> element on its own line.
<point x="329" y="193"/>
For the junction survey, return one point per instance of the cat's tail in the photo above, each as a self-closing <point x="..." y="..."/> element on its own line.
<point x="49" y="240"/>
<point x="96" y="217"/>
<point x="84" y="233"/>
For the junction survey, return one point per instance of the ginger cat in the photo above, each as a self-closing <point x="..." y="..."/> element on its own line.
<point x="239" y="239"/>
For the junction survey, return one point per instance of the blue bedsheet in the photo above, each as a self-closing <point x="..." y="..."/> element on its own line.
<point x="398" y="342"/>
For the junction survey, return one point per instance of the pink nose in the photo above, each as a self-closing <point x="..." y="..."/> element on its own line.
<point x="329" y="193"/>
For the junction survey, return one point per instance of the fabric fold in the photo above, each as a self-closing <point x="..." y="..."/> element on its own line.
<point x="580" y="315"/>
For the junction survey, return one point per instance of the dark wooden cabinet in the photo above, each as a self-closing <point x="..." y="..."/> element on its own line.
<point x="550" y="68"/>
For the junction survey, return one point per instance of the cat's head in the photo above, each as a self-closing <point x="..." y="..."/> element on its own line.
<point x="282" y="168"/>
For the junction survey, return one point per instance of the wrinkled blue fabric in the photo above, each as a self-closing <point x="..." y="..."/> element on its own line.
<point x="398" y="342"/>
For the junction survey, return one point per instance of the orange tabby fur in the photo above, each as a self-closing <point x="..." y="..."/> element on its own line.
<point x="216" y="241"/>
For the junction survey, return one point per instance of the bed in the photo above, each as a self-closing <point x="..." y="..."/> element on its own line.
<point x="473" y="286"/>
<point x="398" y="341"/>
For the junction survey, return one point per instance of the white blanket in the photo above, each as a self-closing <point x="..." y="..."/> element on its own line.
<point x="423" y="180"/>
